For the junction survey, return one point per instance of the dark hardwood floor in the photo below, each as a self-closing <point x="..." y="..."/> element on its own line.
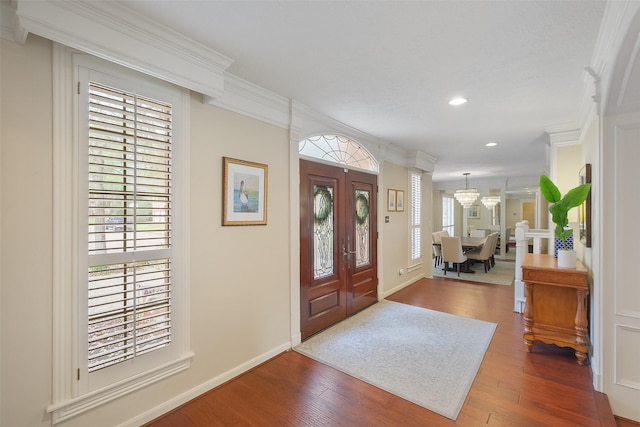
<point x="513" y="388"/>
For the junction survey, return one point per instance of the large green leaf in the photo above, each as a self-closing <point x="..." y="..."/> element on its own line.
<point x="549" y="190"/>
<point x="559" y="214"/>
<point x="576" y="196"/>
<point x="560" y="206"/>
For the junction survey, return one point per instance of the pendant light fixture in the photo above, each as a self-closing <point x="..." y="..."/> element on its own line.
<point x="490" y="202"/>
<point x="467" y="196"/>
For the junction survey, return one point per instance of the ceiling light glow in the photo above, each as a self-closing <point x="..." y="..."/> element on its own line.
<point x="491" y="144"/>
<point x="458" y="101"/>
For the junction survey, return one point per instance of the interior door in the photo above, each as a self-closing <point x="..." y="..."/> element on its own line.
<point x="338" y="241"/>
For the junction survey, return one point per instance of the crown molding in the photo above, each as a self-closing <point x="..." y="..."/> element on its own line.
<point x="564" y="135"/>
<point x="111" y="31"/>
<point x="98" y="27"/>
<point x="598" y="74"/>
<point x="310" y="122"/>
<point x="423" y="161"/>
<point x="10" y="28"/>
<point x="616" y="24"/>
<point x="246" y="98"/>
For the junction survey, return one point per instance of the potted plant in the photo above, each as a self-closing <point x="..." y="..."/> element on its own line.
<point x="559" y="208"/>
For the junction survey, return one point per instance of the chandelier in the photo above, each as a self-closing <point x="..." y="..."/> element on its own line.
<point x="490" y="202"/>
<point x="467" y="196"/>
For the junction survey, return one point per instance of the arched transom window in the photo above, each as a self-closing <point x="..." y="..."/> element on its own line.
<point x="338" y="149"/>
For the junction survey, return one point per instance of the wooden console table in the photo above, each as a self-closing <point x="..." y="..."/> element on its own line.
<point x="555" y="309"/>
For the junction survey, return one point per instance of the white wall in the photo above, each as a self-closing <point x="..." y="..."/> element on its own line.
<point x="25" y="223"/>
<point x="395" y="254"/>
<point x="240" y="276"/>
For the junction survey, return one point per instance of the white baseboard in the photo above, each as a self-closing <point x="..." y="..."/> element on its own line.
<point x="400" y="286"/>
<point x="204" y="387"/>
<point x="595" y="374"/>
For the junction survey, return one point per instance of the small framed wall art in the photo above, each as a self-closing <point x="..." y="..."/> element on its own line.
<point x="473" y="212"/>
<point x="391" y="200"/>
<point x="244" y="200"/>
<point x="399" y="200"/>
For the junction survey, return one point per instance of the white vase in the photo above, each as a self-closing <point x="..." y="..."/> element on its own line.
<point x="567" y="258"/>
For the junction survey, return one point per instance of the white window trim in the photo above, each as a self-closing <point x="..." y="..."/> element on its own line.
<point x="416" y="263"/>
<point x="68" y="397"/>
<point x="453" y="202"/>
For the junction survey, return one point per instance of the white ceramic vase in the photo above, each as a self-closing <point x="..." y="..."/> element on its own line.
<point x="567" y="258"/>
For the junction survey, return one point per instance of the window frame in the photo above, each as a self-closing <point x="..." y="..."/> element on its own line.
<point x="449" y="227"/>
<point x="415" y="218"/>
<point x="74" y="390"/>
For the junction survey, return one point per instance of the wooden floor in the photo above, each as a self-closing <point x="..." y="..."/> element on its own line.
<point x="513" y="388"/>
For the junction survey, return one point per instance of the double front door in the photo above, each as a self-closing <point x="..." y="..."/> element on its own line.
<point x="338" y="241"/>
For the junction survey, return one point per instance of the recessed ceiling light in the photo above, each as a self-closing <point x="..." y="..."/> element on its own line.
<point x="458" y="101"/>
<point x="491" y="144"/>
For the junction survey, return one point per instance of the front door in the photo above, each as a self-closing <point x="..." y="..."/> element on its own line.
<point x="338" y="242"/>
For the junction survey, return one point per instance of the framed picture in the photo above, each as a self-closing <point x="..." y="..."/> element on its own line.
<point x="391" y="200"/>
<point x="399" y="200"/>
<point x="244" y="200"/>
<point x="585" y="208"/>
<point x="473" y="212"/>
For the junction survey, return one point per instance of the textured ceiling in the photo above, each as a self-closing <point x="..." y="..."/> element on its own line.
<point x="388" y="68"/>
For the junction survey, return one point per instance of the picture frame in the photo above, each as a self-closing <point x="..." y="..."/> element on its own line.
<point x="391" y="200"/>
<point x="473" y="212"/>
<point x="584" y="210"/>
<point x="399" y="201"/>
<point x="244" y="192"/>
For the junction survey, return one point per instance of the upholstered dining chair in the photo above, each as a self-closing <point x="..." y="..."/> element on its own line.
<point x="478" y="233"/>
<point x="437" y="250"/>
<point x="494" y="246"/>
<point x="452" y="252"/>
<point x="484" y="254"/>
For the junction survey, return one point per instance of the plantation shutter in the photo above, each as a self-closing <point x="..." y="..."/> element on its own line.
<point x="129" y="226"/>
<point x="416" y="203"/>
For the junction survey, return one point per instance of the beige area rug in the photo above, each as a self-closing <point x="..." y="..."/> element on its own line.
<point x="424" y="356"/>
<point x="502" y="273"/>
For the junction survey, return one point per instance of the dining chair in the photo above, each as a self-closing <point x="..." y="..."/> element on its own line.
<point x="452" y="252"/>
<point x="494" y="246"/>
<point x="484" y="254"/>
<point x="437" y="250"/>
<point x="478" y="233"/>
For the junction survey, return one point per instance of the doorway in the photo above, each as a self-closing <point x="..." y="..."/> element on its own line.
<point x="338" y="244"/>
<point x="529" y="212"/>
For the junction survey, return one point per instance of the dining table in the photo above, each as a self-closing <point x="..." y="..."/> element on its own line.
<point x="468" y="244"/>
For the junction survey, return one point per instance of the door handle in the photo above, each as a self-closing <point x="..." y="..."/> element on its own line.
<point x="345" y="252"/>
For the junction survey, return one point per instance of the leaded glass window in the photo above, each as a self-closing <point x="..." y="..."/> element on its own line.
<point x="362" y="228"/>
<point x="323" y="231"/>
<point x="338" y="149"/>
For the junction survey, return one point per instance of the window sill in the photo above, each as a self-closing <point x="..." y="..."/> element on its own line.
<point x="70" y="408"/>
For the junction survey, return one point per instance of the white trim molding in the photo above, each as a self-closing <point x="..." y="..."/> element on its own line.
<point x="10" y="28"/>
<point x="421" y="161"/>
<point x="243" y="97"/>
<point x="70" y="395"/>
<point x="111" y="31"/>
